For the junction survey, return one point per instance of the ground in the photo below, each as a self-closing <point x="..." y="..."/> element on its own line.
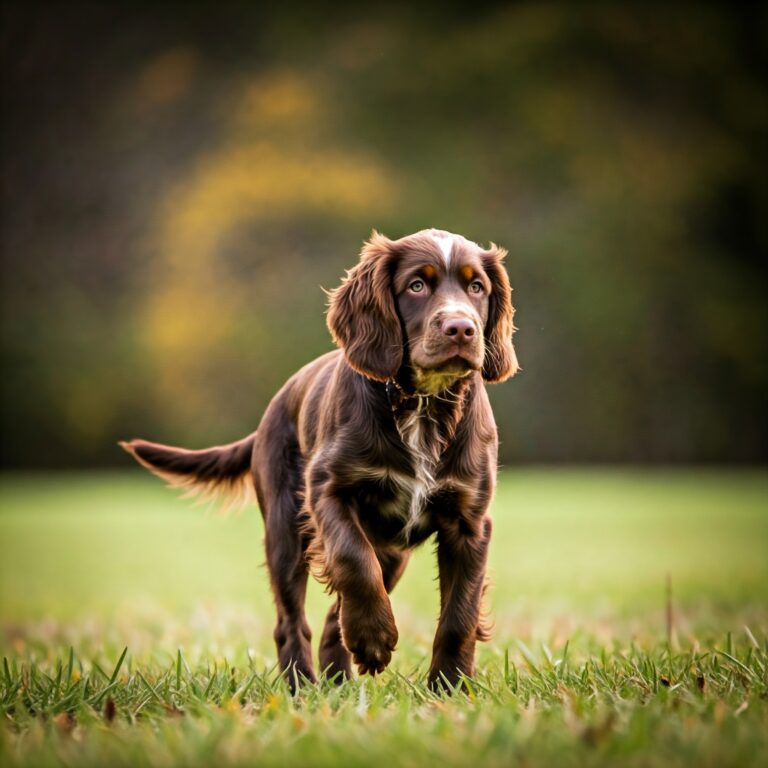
<point x="582" y="669"/>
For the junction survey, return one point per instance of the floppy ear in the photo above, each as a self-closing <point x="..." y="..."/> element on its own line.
<point x="500" y="359"/>
<point x="362" y="316"/>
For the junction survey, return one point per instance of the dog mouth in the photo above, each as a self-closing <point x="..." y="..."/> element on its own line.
<point x="441" y="375"/>
<point x="456" y="358"/>
<point x="458" y="363"/>
<point x="437" y="364"/>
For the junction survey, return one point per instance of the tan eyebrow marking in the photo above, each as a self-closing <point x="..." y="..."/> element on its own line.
<point x="429" y="272"/>
<point x="467" y="272"/>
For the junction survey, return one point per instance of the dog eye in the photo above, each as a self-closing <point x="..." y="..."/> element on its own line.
<point x="475" y="287"/>
<point x="417" y="286"/>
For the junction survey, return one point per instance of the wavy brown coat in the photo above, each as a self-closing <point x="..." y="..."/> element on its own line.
<point x="369" y="450"/>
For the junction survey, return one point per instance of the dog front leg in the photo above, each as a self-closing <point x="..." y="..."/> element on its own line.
<point x="462" y="553"/>
<point x="352" y="569"/>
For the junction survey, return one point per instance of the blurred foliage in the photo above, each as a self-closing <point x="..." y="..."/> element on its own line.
<point x="180" y="180"/>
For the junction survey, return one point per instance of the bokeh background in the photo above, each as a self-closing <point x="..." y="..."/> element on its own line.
<point x="179" y="181"/>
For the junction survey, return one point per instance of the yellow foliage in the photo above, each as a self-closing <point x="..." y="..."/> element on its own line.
<point x="262" y="181"/>
<point x="264" y="175"/>
<point x="278" y="97"/>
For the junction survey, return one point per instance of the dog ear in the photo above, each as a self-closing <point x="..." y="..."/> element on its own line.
<point x="361" y="314"/>
<point x="500" y="359"/>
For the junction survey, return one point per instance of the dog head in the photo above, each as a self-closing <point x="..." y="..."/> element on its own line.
<point x="433" y="301"/>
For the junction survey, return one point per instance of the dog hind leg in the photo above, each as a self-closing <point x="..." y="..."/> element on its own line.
<point x="278" y="471"/>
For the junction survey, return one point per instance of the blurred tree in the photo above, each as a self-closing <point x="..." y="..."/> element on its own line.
<point x="180" y="180"/>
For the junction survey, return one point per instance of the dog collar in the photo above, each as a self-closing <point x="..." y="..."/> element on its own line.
<point x="399" y="399"/>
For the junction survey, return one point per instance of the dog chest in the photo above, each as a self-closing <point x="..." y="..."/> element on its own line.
<point x="420" y="436"/>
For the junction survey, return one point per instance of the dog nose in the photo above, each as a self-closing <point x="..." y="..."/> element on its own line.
<point x="459" y="328"/>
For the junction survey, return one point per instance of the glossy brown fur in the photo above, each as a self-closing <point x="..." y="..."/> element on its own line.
<point x="371" y="449"/>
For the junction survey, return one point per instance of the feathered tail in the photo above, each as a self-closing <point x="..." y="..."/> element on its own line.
<point x="221" y="473"/>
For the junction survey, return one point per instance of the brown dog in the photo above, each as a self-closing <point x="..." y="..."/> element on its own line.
<point x="368" y="451"/>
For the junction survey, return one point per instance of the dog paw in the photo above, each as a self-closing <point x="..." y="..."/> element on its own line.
<point x="298" y="675"/>
<point x="370" y="635"/>
<point x="447" y="675"/>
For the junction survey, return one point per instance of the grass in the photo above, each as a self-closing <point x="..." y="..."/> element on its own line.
<point x="582" y="668"/>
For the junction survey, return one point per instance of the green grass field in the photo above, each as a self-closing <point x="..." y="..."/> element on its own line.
<point x="580" y="671"/>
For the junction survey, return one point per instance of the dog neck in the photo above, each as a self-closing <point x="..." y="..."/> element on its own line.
<point x="402" y="398"/>
<point x="449" y="403"/>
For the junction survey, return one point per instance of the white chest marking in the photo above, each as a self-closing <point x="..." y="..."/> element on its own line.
<point x="446" y="246"/>
<point x="424" y="461"/>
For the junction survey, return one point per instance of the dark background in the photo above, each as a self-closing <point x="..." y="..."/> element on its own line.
<point x="178" y="181"/>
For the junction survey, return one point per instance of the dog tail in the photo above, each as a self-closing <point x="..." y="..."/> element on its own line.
<point x="220" y="474"/>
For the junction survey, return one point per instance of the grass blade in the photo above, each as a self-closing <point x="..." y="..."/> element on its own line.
<point x="118" y="665"/>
